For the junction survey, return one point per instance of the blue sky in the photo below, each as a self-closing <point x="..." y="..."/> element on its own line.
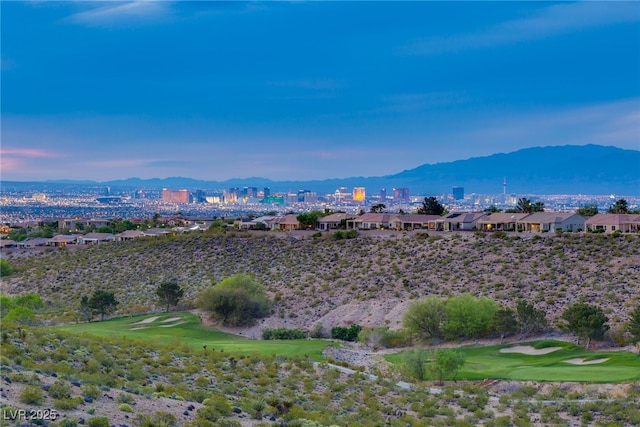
<point x="307" y="90"/>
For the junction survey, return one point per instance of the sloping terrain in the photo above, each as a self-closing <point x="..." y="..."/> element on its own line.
<point x="367" y="280"/>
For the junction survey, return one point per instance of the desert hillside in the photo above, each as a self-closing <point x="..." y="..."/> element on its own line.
<point x="368" y="280"/>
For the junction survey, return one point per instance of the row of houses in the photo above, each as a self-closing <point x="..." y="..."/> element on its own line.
<point x="94" y="238"/>
<point x="539" y="222"/>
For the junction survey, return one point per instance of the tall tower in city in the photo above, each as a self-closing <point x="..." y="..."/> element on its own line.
<point x="458" y="193"/>
<point x="358" y="194"/>
<point x="504" y="187"/>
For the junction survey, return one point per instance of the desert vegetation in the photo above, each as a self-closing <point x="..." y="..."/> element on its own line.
<point x="372" y="278"/>
<point x="165" y="368"/>
<point x="110" y="380"/>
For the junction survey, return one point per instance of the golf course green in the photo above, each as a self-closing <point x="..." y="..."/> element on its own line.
<point x="184" y="327"/>
<point x="568" y="362"/>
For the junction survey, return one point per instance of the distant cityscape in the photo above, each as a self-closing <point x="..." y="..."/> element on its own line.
<point x="30" y="204"/>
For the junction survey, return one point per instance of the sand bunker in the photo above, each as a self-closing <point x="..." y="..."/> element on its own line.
<point x="135" y="329"/>
<point x="580" y="361"/>
<point x="147" y="320"/>
<point x="171" y="319"/>
<point x="172" y="325"/>
<point x="527" y="349"/>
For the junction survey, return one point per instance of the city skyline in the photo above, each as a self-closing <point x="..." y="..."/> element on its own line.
<point x="304" y="91"/>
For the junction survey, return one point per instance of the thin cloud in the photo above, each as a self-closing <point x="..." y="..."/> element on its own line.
<point x="114" y="13"/>
<point x="27" y="152"/>
<point x="547" y="22"/>
<point x="606" y="124"/>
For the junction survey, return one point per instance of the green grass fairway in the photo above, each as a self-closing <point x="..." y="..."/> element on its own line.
<point x="488" y="362"/>
<point x="189" y="330"/>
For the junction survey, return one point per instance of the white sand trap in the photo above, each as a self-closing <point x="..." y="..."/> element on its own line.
<point x="171" y="319"/>
<point x="527" y="349"/>
<point x="135" y="329"/>
<point x="147" y="320"/>
<point x="580" y="361"/>
<point x="172" y="325"/>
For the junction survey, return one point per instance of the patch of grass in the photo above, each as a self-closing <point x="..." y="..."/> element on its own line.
<point x="189" y="330"/>
<point x="488" y="362"/>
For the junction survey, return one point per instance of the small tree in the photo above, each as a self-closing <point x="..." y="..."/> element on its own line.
<point x="32" y="301"/>
<point x="530" y="319"/>
<point x="431" y="206"/>
<point x="415" y="363"/>
<point x="84" y="311"/>
<point x="469" y="316"/>
<point x="237" y="300"/>
<point x="634" y="324"/>
<point x="5" y="268"/>
<point x="19" y="315"/>
<point x="446" y="364"/>
<point x="619" y="207"/>
<point x="378" y="208"/>
<point x="586" y="321"/>
<point x="169" y="293"/>
<point x="505" y="323"/>
<point x="526" y="206"/>
<point x="425" y="317"/>
<point x="102" y="302"/>
<point x="309" y="219"/>
<point x="588" y="210"/>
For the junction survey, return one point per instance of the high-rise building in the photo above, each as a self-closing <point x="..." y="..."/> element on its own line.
<point x="200" y="196"/>
<point x="383" y="195"/>
<point x="358" y="194"/>
<point x="401" y="194"/>
<point x="231" y="195"/>
<point x="175" y="196"/>
<point x="267" y="192"/>
<point x="341" y="194"/>
<point x="458" y="193"/>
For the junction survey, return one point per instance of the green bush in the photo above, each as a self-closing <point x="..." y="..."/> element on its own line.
<point x="159" y="419"/>
<point x="283" y="334"/>
<point x="219" y="404"/>
<point x="98" y="422"/>
<point x="346" y="334"/>
<point x="340" y="235"/>
<point x="67" y="404"/>
<point x="60" y="390"/>
<point x="31" y="396"/>
<point x="384" y="337"/>
<point x="125" y="407"/>
<point x="91" y="390"/>
<point x="237" y="300"/>
<point x="5" y="268"/>
<point x="125" y="398"/>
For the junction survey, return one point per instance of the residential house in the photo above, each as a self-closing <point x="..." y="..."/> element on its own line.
<point x="6" y="243"/>
<point x="95" y="238"/>
<point x="261" y="222"/>
<point x="456" y="221"/>
<point x="32" y="242"/>
<point x="551" y="221"/>
<point x="610" y="223"/>
<point x="285" y="223"/>
<point x="129" y="235"/>
<point x="61" y="240"/>
<point x="412" y="222"/>
<point x="499" y="221"/>
<point x="372" y="221"/>
<point x="331" y="222"/>
<point x="155" y="232"/>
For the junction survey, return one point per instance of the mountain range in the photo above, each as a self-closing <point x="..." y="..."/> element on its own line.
<point x="570" y="169"/>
